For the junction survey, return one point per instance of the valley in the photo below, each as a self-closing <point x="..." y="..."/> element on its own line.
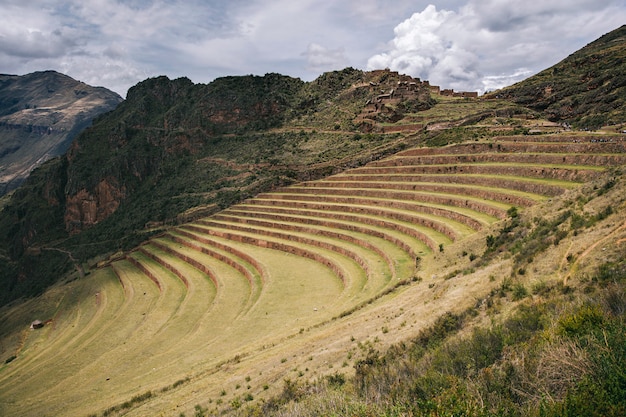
<point x="279" y="285"/>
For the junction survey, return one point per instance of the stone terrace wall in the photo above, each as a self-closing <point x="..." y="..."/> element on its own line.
<point x="520" y="147"/>
<point x="456" y="171"/>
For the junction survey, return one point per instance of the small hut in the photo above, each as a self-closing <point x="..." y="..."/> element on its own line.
<point x="37" y="324"/>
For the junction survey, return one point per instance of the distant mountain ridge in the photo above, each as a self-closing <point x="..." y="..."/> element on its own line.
<point x="40" y="114"/>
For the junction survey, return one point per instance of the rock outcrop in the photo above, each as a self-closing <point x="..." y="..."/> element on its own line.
<point x="86" y="208"/>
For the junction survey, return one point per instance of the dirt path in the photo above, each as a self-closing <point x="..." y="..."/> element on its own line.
<point x="591" y="248"/>
<point x="77" y="264"/>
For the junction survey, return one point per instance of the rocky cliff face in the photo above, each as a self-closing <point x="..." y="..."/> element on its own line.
<point x="162" y="121"/>
<point x="40" y="114"/>
<point x="86" y="208"/>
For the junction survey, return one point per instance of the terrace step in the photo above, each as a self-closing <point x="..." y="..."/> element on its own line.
<point x="570" y="159"/>
<point x="323" y="237"/>
<point x="525" y="147"/>
<point x="200" y="286"/>
<point x="233" y="277"/>
<point x="473" y="208"/>
<point x="403" y="182"/>
<point x="400" y="210"/>
<point x="348" y="267"/>
<point x="524" y="170"/>
<point x="445" y="194"/>
<point x="561" y="138"/>
<point x="172" y="291"/>
<point x="265" y="251"/>
<point x="424" y="235"/>
<point x="402" y="241"/>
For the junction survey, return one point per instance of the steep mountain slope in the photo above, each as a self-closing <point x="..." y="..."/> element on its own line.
<point x="174" y="146"/>
<point x="40" y="114"/>
<point x="587" y="89"/>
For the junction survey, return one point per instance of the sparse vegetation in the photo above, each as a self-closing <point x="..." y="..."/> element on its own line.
<point x="556" y="363"/>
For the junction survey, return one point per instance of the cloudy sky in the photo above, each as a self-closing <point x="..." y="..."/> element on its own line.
<point x="474" y="45"/>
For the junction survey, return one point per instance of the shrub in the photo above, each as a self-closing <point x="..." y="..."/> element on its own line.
<point x="611" y="272"/>
<point x="236" y="403"/>
<point x="443" y="326"/>
<point x="614" y="300"/>
<point x="600" y="391"/>
<point x="336" y="379"/>
<point x="199" y="411"/>
<point x="583" y="320"/>
<point x="524" y="323"/>
<point x="519" y="291"/>
<point x="467" y="356"/>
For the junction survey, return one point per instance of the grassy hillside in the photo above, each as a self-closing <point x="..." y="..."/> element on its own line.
<point x="547" y="339"/>
<point x="290" y="301"/>
<point x="586" y="89"/>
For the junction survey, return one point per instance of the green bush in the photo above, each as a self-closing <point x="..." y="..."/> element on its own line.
<point x="336" y="379"/>
<point x="519" y="291"/>
<point x="582" y="321"/>
<point x="468" y="356"/>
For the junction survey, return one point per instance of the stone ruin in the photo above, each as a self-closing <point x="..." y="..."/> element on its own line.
<point x="389" y="87"/>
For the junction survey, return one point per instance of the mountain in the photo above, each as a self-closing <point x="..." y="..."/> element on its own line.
<point x="40" y="114"/>
<point x="362" y="244"/>
<point x="587" y="89"/>
<point x="174" y="150"/>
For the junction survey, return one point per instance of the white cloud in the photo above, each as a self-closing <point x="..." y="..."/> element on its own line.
<point x="463" y="44"/>
<point x="33" y="35"/>
<point x="488" y="44"/>
<point x="321" y="59"/>
<point x="495" y="82"/>
<point x="426" y="46"/>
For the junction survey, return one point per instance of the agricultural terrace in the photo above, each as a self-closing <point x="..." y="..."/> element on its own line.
<point x="148" y="331"/>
